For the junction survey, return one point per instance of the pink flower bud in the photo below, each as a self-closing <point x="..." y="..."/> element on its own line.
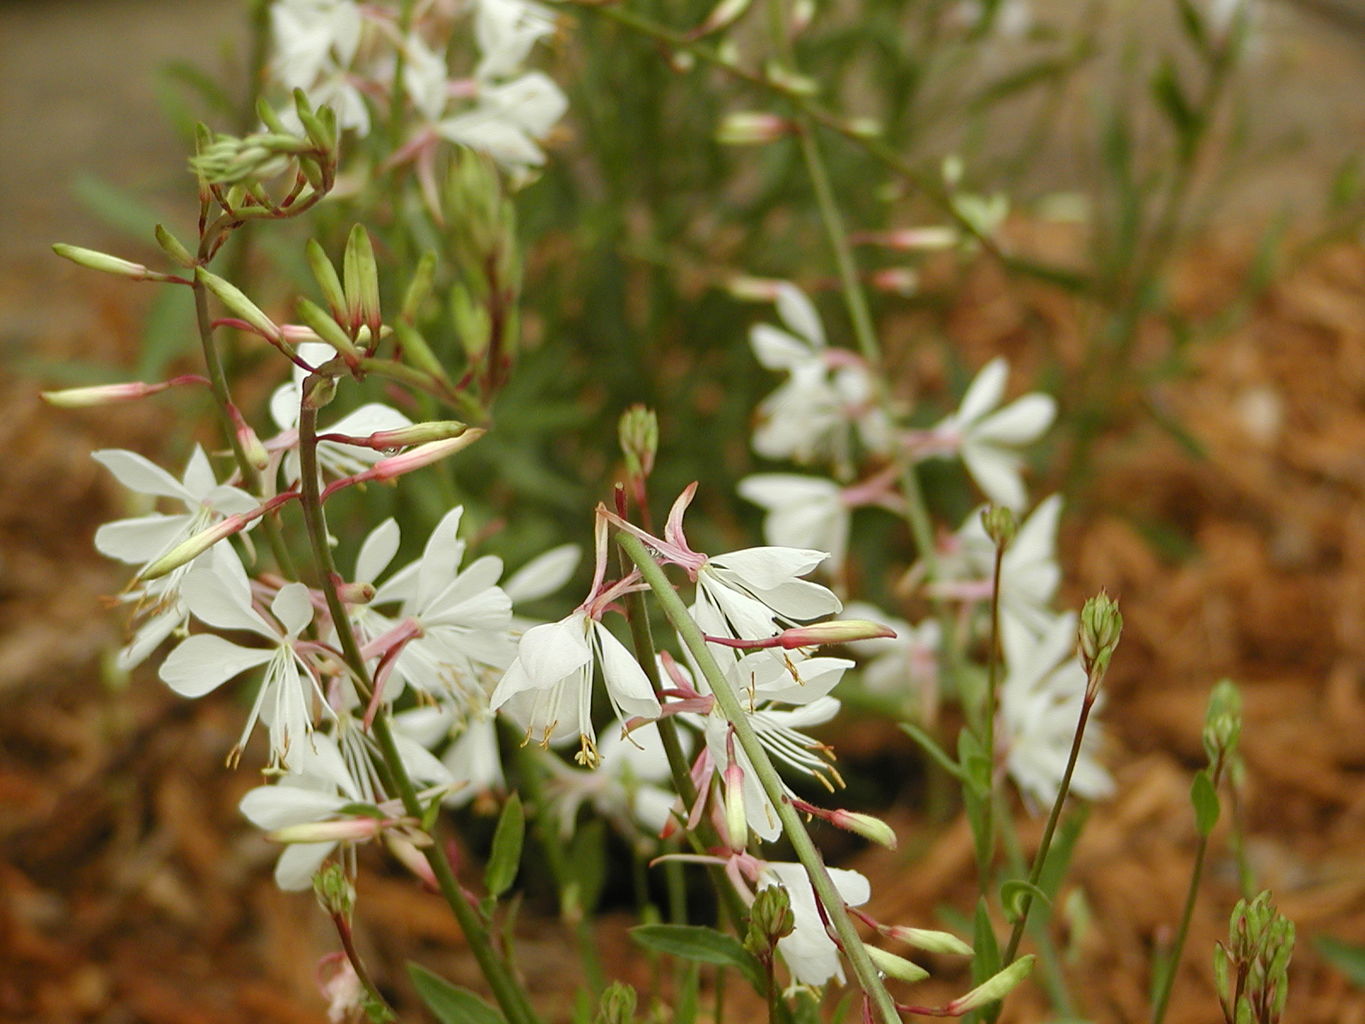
<point x="343" y="830"/>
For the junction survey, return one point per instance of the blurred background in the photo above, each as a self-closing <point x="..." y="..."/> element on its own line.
<point x="1213" y="460"/>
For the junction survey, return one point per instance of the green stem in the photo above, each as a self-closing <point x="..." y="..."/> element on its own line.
<point x="1040" y="858"/>
<point x="869" y="979"/>
<point x="344" y="933"/>
<point x="1166" y="979"/>
<point x="508" y="993"/>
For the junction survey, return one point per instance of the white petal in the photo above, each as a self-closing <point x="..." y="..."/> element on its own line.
<point x="626" y="682"/>
<point x="142" y="475"/>
<point x="377" y="551"/>
<point x="544" y="574"/>
<point x="272" y="807"/>
<point x="138" y="541"/>
<point x="199" y="479"/>
<point x="1021" y="422"/>
<point x="555" y="650"/>
<point x="440" y="557"/>
<point x="996" y="472"/>
<point x="798" y="313"/>
<point x="220" y="595"/>
<point x="984" y="393"/>
<point x="768" y="567"/>
<point x="292" y="608"/>
<point x="204" y="662"/>
<point x="298" y="864"/>
<point x="776" y="349"/>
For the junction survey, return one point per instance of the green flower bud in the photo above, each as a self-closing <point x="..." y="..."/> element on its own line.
<point x="1223" y="722"/>
<point x="334" y="890"/>
<point x="994" y="988"/>
<point x="894" y="966"/>
<point x="638" y="430"/>
<point x="770" y="919"/>
<point x="1100" y="629"/>
<point x="1001" y="525"/>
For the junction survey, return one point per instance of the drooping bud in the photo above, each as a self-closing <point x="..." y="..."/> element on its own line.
<point x="993" y="989"/>
<point x="1001" y="525"/>
<point x="402" y="437"/>
<point x="894" y="966"/>
<point x="1100" y="628"/>
<point x="106" y="264"/>
<point x="736" y="820"/>
<point x="192" y="547"/>
<point x="723" y="15"/>
<point x="865" y="825"/>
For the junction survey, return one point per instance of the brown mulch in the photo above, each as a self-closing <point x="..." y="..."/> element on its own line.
<point x="131" y="890"/>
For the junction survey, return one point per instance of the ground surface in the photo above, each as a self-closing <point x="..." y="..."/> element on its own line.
<point x="130" y="890"/>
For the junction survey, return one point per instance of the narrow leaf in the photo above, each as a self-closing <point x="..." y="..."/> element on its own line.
<point x="694" y="942"/>
<point x="505" y="858"/>
<point x="449" y="1003"/>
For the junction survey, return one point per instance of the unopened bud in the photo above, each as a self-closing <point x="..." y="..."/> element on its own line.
<point x="341" y="830"/>
<point x="753" y="128"/>
<point x="327" y="329"/>
<point x="174" y="248"/>
<point x="1100" y="629"/>
<point x="252" y="448"/>
<point x="894" y="966"/>
<point x="423" y="455"/>
<point x="864" y="127"/>
<point x="617" y="1005"/>
<point x="238" y="304"/>
<point x="110" y="394"/>
<point x="106" y="264"/>
<point x="836" y="631"/>
<point x="326" y="276"/>
<point x="192" y="547"/>
<point x="356" y="593"/>
<point x="1223" y="722"/>
<point x="927" y="939"/>
<point x="639" y="435"/>
<point x="419" y="287"/>
<point x="865" y="825"/>
<point x="928" y="239"/>
<point x="405" y="851"/>
<point x="360" y="276"/>
<point x="754" y="289"/>
<point x="318" y="390"/>
<point x="335" y="892"/>
<point x="770" y="919"/>
<point x="790" y="81"/>
<point x="993" y="989"/>
<point x="723" y="15"/>
<point x="896" y="281"/>
<point x="1001" y="525"/>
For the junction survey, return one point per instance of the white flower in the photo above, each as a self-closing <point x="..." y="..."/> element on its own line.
<point x="220" y="596"/>
<point x="465" y="617"/>
<point x="809" y="952"/>
<point x="144" y="539"/>
<point x="827" y="394"/>
<point x="548" y="687"/>
<point x="315" y="42"/>
<point x="803" y="512"/>
<point x="989" y="441"/>
<point x="1040" y="706"/>
<point x="508" y="119"/>
<point x="505" y="31"/>
<point x="755" y="593"/>
<point x="624" y="789"/>
<point x="1029" y="573"/>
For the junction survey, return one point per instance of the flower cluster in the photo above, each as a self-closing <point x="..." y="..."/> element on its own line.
<point x="360" y="59"/>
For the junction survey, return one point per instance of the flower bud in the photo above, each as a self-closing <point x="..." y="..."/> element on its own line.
<point x="617" y="1005"/>
<point x="927" y="939"/>
<point x="770" y="919"/>
<point x="360" y="275"/>
<point x="1001" y="525"/>
<point x="335" y="892"/>
<point x="865" y="825"/>
<point x="327" y="329"/>
<point x="341" y="830"/>
<point x="754" y="289"/>
<point x="326" y="276"/>
<point x="1100" y="629"/>
<point x="423" y="455"/>
<point x="419" y="287"/>
<point x="1223" y="722"/>
<point x="192" y="547"/>
<point x="173" y="248"/>
<point x="238" y="304"/>
<point x="789" y="81"/>
<point x="896" y="281"/>
<point x="109" y="394"/>
<point x="255" y="452"/>
<point x="736" y="820"/>
<point x="639" y="434"/>
<point x="723" y="15"/>
<point x="836" y="631"/>
<point x="106" y="264"/>
<point x="894" y="966"/>
<point x="993" y="988"/>
<point x="752" y="128"/>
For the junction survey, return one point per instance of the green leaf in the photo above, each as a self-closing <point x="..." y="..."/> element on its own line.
<point x="505" y="858"/>
<point x="1205" y="800"/>
<point x="1347" y="957"/>
<point x="450" y="1003"/>
<point x="695" y="942"/>
<point x="1170" y="98"/>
